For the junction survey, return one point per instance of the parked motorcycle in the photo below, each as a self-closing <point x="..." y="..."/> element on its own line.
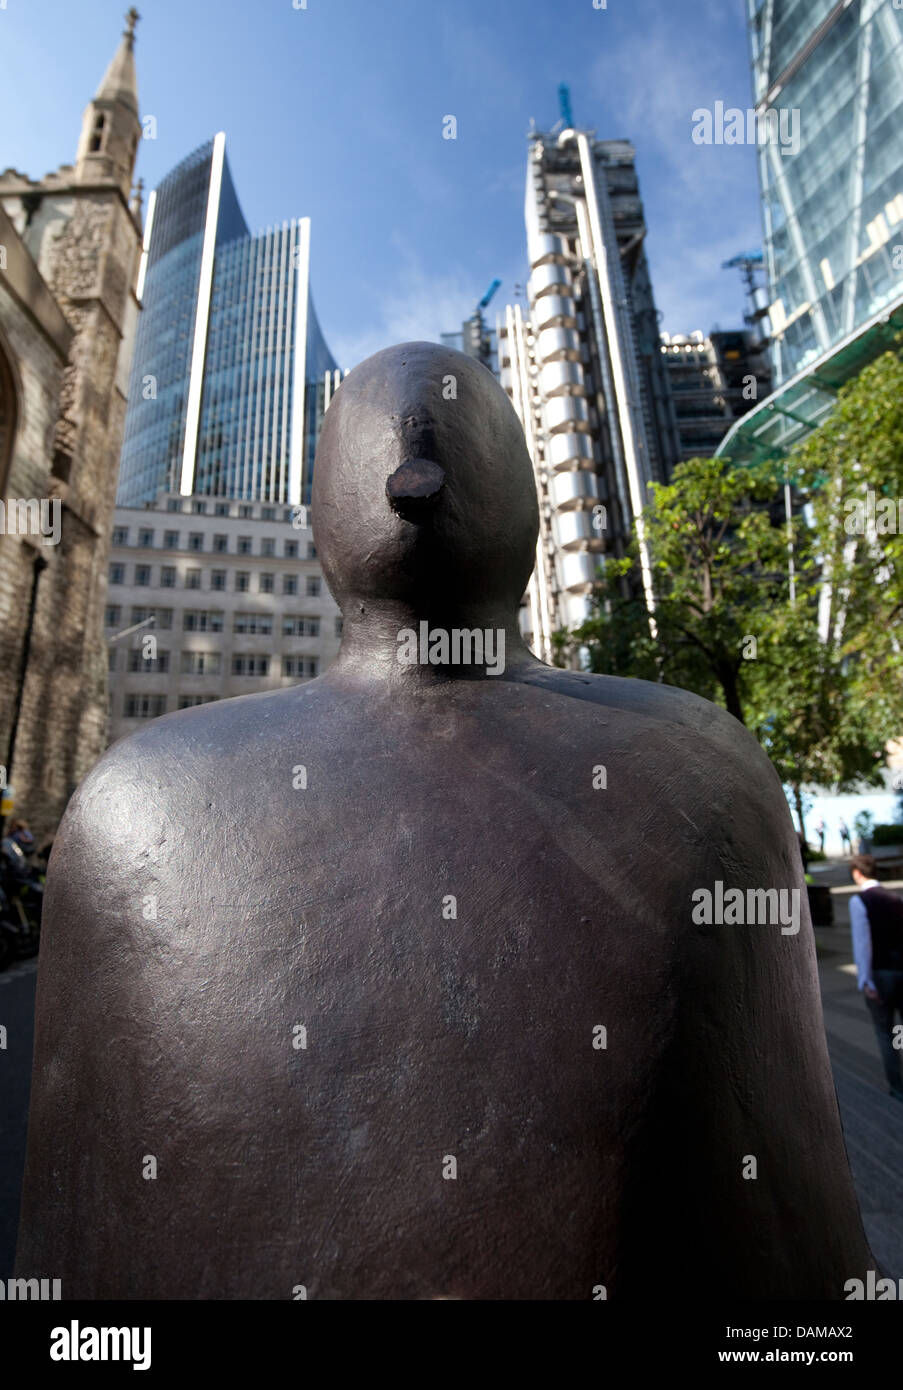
<point x="22" y="899"/>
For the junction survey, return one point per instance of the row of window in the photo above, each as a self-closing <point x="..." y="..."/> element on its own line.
<point x="152" y="706"/>
<point x="266" y="583"/>
<point x="200" y="620"/>
<point x="172" y="540"/>
<point x="200" y="507"/>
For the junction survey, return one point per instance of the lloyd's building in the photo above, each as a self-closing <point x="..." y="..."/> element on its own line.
<point x="231" y="375"/>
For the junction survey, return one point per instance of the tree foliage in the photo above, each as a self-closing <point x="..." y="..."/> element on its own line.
<point x="818" y="676"/>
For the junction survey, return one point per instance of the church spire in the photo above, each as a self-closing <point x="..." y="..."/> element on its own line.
<point x="120" y="82"/>
<point x="111" y="128"/>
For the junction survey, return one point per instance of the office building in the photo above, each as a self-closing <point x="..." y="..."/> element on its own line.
<point x="832" y="207"/>
<point x="584" y="369"/>
<point x="211" y="598"/>
<point x="231" y="374"/>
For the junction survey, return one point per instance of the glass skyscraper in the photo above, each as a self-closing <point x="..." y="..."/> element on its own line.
<point x="833" y="210"/>
<point x="832" y="204"/>
<point x="231" y="375"/>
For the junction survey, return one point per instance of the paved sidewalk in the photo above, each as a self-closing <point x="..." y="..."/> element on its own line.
<point x="872" y="1121"/>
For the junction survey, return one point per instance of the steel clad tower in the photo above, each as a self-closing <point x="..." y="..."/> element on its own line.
<point x="584" y="370"/>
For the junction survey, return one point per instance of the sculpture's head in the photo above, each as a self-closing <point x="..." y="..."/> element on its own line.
<point x="423" y="488"/>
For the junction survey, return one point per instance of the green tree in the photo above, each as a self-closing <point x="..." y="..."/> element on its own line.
<point x="817" y="675"/>
<point x="716" y="562"/>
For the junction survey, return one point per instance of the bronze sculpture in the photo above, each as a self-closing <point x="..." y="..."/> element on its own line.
<point x="432" y="1013"/>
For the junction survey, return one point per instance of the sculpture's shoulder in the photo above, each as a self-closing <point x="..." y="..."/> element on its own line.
<point x="687" y="725"/>
<point x="667" y="752"/>
<point x="164" y="777"/>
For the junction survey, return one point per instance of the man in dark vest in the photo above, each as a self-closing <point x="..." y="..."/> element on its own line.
<point x="876" y="919"/>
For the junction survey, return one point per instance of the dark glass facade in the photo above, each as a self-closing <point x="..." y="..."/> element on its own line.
<point x="228" y="350"/>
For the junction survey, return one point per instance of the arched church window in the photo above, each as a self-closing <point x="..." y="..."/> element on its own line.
<point x="100" y="121"/>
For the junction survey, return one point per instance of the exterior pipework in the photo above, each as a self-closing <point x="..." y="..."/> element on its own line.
<point x="632" y="432"/>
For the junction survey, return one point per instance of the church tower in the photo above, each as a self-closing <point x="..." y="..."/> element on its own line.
<point x="77" y="240"/>
<point x="111" y="128"/>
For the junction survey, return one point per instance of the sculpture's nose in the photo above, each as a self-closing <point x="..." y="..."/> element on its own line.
<point x="414" y="488"/>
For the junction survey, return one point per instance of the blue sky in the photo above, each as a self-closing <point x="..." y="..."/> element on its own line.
<point x="335" y="111"/>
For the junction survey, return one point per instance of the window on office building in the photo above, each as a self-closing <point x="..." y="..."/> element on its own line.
<point x="258" y="624"/>
<point x="142" y="575"/>
<point x="144" y="706"/>
<point x="245" y="545"/>
<point x="174" y="504"/>
<point x="293" y="625"/>
<point x="304" y="666"/>
<point x="120" y="535"/>
<point x="117" y="573"/>
<point x="289" y="583"/>
<point x="170" y="540"/>
<point x="245" y="509"/>
<point x="250" y="665"/>
<point x="113" y="615"/>
<point x="201" y="663"/>
<point x="267" y="513"/>
<point x="218" y="579"/>
<point x="197" y="620"/>
<point x="145" y="538"/>
<point x="162" y="617"/>
<point x="313" y="585"/>
<point x="192" y="579"/>
<point x="267" y="546"/>
<point x="199" y="508"/>
<point x="221" y="509"/>
<point x="196" y="540"/>
<point x="267" y="583"/>
<point x="190" y="701"/>
<point x="167" y="576"/>
<point x="242" y="581"/>
<point x="311" y="551"/>
<point x="137" y="661"/>
<point x="220" y="544"/>
<point x="291" y="550"/>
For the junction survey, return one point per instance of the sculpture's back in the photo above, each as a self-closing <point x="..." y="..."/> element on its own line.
<point x="424" y="1012"/>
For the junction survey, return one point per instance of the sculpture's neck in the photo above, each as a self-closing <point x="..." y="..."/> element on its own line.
<point x="396" y="642"/>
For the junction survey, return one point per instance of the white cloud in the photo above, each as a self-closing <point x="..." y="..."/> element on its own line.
<point x="419" y="307"/>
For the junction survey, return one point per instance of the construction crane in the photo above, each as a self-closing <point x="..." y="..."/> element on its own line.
<point x="564" y="106"/>
<point x="479" y="343"/>
<point x="484" y="302"/>
<point x="749" y="263"/>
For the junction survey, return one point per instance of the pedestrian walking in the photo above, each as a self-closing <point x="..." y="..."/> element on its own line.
<point x="846" y="838"/>
<point x="821" y="831"/>
<point x="876" y="921"/>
